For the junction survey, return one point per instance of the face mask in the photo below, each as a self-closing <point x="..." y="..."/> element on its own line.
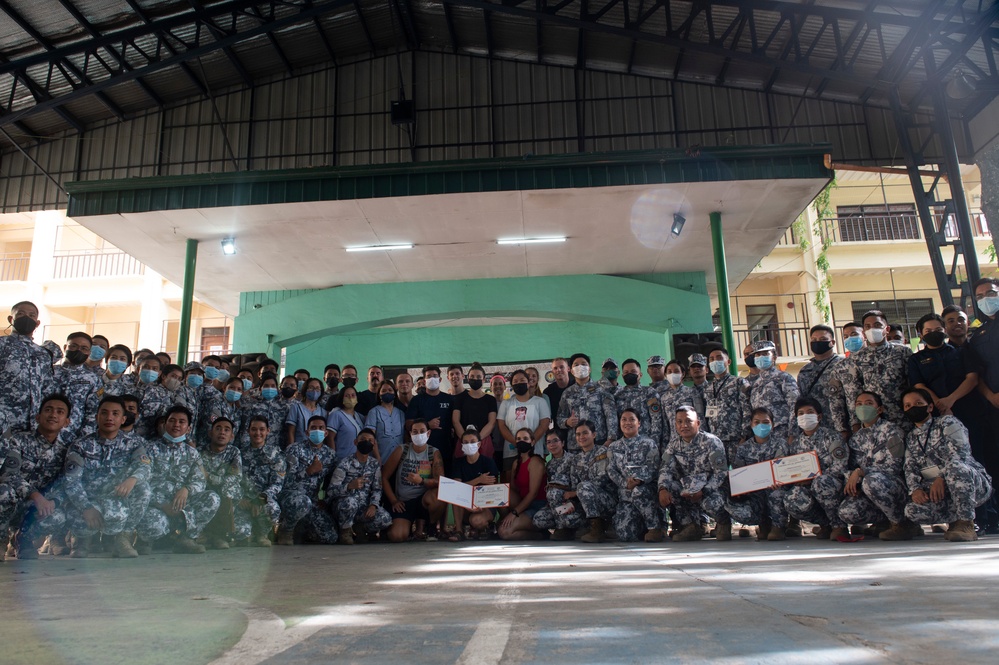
<point x="300" y="384"/>
<point x="854" y="343"/>
<point x="97" y="353"/>
<point x="388" y="398"/>
<point x="917" y="414"/>
<point x="211" y="373"/>
<point x="808" y="421"/>
<point x="718" y="366"/>
<point x="762" y="430"/>
<point x="422" y="390"/>
<point x="420" y="440"/>
<point x="117" y="367"/>
<point x="195" y="380"/>
<point x="611" y="374"/>
<point x="174" y="439"/>
<point x="269" y="393"/>
<point x="24" y="325"/>
<point x="129" y="419"/>
<point x="148" y="376"/>
<point x="332" y="384"/>
<point x="232" y="395"/>
<point x="76" y="357"/>
<point x="475" y="384"/>
<point x="349" y="382"/>
<point x="764" y="362"/>
<point x="631" y="379"/>
<point x="520" y="388"/>
<point x="470" y="448"/>
<point x="875" y="335"/>
<point x="524" y="447"/>
<point x="989" y="306"/>
<point x="350" y="402"/>
<point x="223" y="375"/>
<point x="317" y="436"/>
<point x="312" y="395"/>
<point x="171" y="384"/>
<point x="247" y="384"/>
<point x="581" y="371"/>
<point x="866" y="413"/>
<point x="674" y="379"/>
<point x="750" y="362"/>
<point x="288" y="393"/>
<point x="365" y="447"/>
<point x="820" y="347"/>
<point x="935" y="338"/>
<point x="433" y="383"/>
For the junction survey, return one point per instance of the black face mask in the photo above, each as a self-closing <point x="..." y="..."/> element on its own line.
<point x="421" y="391"/>
<point x="818" y="348"/>
<point x="631" y="379"/>
<point x="935" y="338"/>
<point x="288" y="393"/>
<point x="129" y="419"/>
<point x="365" y="447"/>
<point x="917" y="414"/>
<point x="349" y="382"/>
<point x="751" y="362"/>
<point x="475" y="384"/>
<point x="76" y="357"/>
<point x="524" y="447"/>
<point x="24" y="325"/>
<point x="520" y="388"/>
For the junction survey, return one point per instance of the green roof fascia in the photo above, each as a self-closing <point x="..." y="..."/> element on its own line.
<point x="642" y="167"/>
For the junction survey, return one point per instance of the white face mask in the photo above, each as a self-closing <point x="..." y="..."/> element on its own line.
<point x="421" y="439"/>
<point x="875" y="335"/>
<point x="674" y="379"/>
<point x="470" y="448"/>
<point x="581" y="371"/>
<point x="808" y="421"/>
<point x="433" y="383"/>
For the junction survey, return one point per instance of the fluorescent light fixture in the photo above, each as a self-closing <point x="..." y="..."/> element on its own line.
<point x="376" y="248"/>
<point x="528" y="241"/>
<point x="678" y="222"/>
<point x="228" y="246"/>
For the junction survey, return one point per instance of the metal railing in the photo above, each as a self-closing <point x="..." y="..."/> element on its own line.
<point x="886" y="228"/>
<point x="76" y="265"/>
<point x="789" y="239"/>
<point x="14" y="266"/>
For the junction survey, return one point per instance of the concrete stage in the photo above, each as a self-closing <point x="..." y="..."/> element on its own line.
<point x="801" y="601"/>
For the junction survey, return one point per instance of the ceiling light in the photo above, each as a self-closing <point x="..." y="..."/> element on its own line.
<point x="961" y="86"/>
<point x="528" y="241"/>
<point x="376" y="248"/>
<point x="228" y="246"/>
<point x="678" y="222"/>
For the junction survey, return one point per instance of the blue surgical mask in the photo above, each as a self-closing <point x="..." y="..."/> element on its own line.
<point x="764" y="362"/>
<point x="313" y="395"/>
<point x="300" y="384"/>
<point x="247" y="384"/>
<point x="854" y="343"/>
<point x="195" y="380"/>
<point x="211" y="373"/>
<point x="223" y="375"/>
<point x="148" y="375"/>
<point x="717" y="366"/>
<point x="269" y="393"/>
<point x="97" y="353"/>
<point x="117" y="367"/>
<point x="317" y="436"/>
<point x="989" y="305"/>
<point x="762" y="430"/>
<point x="233" y="395"/>
<point x="174" y="439"/>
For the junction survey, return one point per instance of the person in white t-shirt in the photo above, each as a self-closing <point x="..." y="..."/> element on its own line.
<point x="520" y="411"/>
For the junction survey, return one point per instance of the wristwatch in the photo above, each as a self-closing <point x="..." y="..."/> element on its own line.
<point x="515" y="513"/>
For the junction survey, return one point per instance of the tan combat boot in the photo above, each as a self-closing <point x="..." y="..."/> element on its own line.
<point x="122" y="547"/>
<point x="654" y="536"/>
<point x="961" y="531"/>
<point x="596" y="532"/>
<point x="689" y="533"/>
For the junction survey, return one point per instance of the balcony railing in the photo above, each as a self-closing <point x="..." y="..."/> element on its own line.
<point x="78" y="265"/>
<point x="14" y="266"/>
<point x="886" y="228"/>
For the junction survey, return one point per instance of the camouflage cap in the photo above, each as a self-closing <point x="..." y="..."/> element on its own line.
<point x="763" y="345"/>
<point x="655" y="360"/>
<point x="697" y="359"/>
<point x="610" y="362"/>
<point x="193" y="365"/>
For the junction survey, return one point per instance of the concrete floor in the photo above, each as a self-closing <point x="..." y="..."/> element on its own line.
<point x="800" y="601"/>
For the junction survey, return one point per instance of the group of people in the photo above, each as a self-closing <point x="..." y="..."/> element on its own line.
<point x="149" y="454"/>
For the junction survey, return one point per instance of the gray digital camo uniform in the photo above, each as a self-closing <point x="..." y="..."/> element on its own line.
<point x="840" y="414"/>
<point x="597" y="494"/>
<point x="588" y="402"/>
<point x="638" y="508"/>
<point x="80" y="385"/>
<point x="299" y="498"/>
<point x="726" y="406"/>
<point x="154" y="401"/>
<point x="275" y="411"/>
<point x="818" y="500"/>
<point x="29" y="464"/>
<point x="25" y="378"/>
<point x="942" y="442"/>
<point x="778" y="391"/>
<point x="176" y="466"/>
<point x="882" y="370"/>
<point x="95" y="466"/>
<point x="224" y="471"/>
<point x="878" y="450"/>
<point x="672" y="398"/>
<point x="756" y="507"/>
<point x="817" y="380"/>
<point x="187" y="397"/>
<point x="350" y="504"/>
<point x="691" y="467"/>
<point x="559" y="470"/>
<point x="263" y="478"/>
<point x="645" y="401"/>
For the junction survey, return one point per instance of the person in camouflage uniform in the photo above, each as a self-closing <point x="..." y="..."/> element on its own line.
<point x="816" y="379"/>
<point x="75" y="380"/>
<point x="257" y="513"/>
<point x="227" y="404"/>
<point x="726" y="403"/>
<point x="944" y="481"/>
<point x="608" y="377"/>
<point x="697" y="369"/>
<point x="875" y="486"/>
<point x="309" y="466"/>
<point x="590" y="482"/>
<point x="25" y="371"/>
<point x="674" y="394"/>
<point x="119" y="357"/>
<point x="586" y="400"/>
<point x="154" y="401"/>
<point x="30" y="462"/>
<point x="561" y="514"/>
<point x="763" y="508"/>
<point x="634" y="470"/>
<point x="818" y="500"/>
<point x="356" y="487"/>
<point x="643" y="400"/>
<point x="692" y="478"/>
<point x="180" y="501"/>
<point x="104" y="488"/>
<point x="881" y="368"/>
<point x="224" y="469"/>
<point x="271" y="406"/>
<point x="657" y="373"/>
<point x="774" y="389"/>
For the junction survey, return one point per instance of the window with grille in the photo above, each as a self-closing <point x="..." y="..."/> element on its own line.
<point x="868" y="223"/>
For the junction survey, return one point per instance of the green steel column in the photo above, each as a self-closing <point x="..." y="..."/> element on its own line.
<point x="187" y="302"/>
<point x="721" y="277"/>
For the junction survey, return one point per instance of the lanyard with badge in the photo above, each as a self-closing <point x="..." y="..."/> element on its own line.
<point x="714" y="410"/>
<point x="931" y="472"/>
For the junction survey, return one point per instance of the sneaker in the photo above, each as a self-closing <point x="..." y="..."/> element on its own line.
<point x="185" y="545"/>
<point x="654" y="536"/>
<point x="346" y="537"/>
<point x="961" y="531"/>
<point x="122" y="548"/>
<point x="689" y="533"/>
